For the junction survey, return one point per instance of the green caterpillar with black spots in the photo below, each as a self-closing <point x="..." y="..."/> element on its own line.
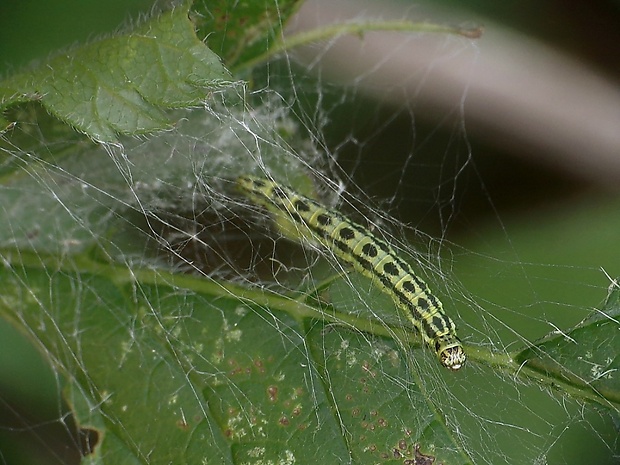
<point x="300" y="217"/>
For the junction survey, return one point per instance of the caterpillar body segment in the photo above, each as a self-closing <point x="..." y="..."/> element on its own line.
<point x="299" y="217"/>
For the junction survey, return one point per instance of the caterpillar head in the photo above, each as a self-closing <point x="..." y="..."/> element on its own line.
<point x="450" y="352"/>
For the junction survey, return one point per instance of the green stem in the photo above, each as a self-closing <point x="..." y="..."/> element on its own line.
<point x="359" y="28"/>
<point x="297" y="308"/>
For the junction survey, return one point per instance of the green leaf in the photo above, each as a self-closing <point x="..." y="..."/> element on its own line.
<point x="148" y="401"/>
<point x="241" y="31"/>
<point x="184" y="370"/>
<point x="122" y="84"/>
<point x="586" y="357"/>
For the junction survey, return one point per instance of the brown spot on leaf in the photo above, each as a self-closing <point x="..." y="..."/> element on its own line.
<point x="272" y="391"/>
<point x="421" y="459"/>
<point x="366" y="368"/>
<point x="259" y="365"/>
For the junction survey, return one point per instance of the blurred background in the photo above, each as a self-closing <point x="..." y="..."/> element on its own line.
<point x="508" y="146"/>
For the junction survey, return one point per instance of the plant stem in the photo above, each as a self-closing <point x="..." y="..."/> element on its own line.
<point x="358" y="28"/>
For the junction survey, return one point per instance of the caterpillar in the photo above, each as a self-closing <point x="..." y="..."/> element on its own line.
<point x="300" y="217"/>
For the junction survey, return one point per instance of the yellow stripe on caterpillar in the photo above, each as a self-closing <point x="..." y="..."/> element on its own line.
<point x="299" y="217"/>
